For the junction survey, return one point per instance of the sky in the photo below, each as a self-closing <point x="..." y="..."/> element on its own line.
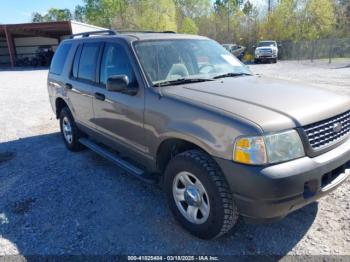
<point x="20" y="11"/>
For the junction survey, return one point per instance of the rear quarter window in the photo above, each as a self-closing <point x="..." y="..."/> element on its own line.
<point x="59" y="58"/>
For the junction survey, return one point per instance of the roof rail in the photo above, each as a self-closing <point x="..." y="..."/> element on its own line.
<point x="87" y="34"/>
<point x="146" y="31"/>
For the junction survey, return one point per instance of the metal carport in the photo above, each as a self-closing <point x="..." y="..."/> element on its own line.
<point x="20" y="39"/>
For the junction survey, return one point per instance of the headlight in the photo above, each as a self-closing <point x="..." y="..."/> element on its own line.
<point x="273" y="148"/>
<point x="257" y="51"/>
<point x="250" y="150"/>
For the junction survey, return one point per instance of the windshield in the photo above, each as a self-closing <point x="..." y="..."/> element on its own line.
<point x="226" y="46"/>
<point x="169" y="60"/>
<point x="267" y="44"/>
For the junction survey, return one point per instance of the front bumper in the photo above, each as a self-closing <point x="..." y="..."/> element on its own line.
<point x="271" y="192"/>
<point x="265" y="56"/>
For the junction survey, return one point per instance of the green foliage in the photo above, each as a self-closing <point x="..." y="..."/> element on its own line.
<point x="103" y="12"/>
<point x="159" y="15"/>
<point x="224" y="20"/>
<point x="296" y="20"/>
<point x="342" y="13"/>
<point x="188" y="26"/>
<point x="247" y="8"/>
<point x="318" y="20"/>
<point x="281" y="23"/>
<point x="193" y="8"/>
<point x="53" y="14"/>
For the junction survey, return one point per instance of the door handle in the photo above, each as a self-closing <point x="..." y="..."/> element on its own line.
<point x="100" y="96"/>
<point x="68" y="86"/>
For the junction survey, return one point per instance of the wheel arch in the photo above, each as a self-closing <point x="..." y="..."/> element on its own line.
<point x="170" y="147"/>
<point x="59" y="105"/>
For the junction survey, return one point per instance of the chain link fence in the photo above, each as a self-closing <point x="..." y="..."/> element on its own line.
<point x="315" y="49"/>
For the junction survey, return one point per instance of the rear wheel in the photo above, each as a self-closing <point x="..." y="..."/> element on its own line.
<point x="199" y="195"/>
<point x="69" y="130"/>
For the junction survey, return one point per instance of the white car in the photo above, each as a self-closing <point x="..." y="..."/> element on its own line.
<point x="266" y="51"/>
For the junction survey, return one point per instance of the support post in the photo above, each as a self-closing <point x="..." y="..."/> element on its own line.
<point x="10" y="46"/>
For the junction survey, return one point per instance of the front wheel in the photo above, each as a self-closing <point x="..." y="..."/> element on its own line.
<point x="199" y="195"/>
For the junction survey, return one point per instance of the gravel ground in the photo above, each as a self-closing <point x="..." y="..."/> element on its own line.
<point x="56" y="202"/>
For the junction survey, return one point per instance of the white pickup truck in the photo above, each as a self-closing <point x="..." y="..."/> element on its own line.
<point x="266" y="51"/>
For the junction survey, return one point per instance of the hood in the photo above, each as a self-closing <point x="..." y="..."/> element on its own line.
<point x="272" y="104"/>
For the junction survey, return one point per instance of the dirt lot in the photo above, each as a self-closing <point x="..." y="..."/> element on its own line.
<point x="56" y="202"/>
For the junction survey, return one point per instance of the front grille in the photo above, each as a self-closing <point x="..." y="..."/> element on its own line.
<point x="265" y="51"/>
<point x="329" y="131"/>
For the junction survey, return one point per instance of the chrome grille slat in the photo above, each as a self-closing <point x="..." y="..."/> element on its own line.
<point x="324" y="134"/>
<point x="332" y="121"/>
<point x="321" y="134"/>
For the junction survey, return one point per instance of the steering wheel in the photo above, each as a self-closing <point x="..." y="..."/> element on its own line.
<point x="207" y="65"/>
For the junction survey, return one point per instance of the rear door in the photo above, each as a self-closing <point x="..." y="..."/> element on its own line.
<point x="82" y="80"/>
<point x="119" y="116"/>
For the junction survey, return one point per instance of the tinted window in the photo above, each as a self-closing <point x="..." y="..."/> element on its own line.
<point x="115" y="61"/>
<point x="88" y="61"/>
<point x="76" y="61"/>
<point x="59" y="58"/>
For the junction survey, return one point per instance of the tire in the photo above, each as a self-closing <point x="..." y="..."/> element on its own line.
<point x="275" y="61"/>
<point x="66" y="119"/>
<point x="256" y="61"/>
<point x="222" y="213"/>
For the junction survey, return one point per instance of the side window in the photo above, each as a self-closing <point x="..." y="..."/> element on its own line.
<point x="88" y="61"/>
<point x="76" y="61"/>
<point x="115" y="61"/>
<point x="59" y="58"/>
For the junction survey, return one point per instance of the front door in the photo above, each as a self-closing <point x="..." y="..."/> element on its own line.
<point x="119" y="116"/>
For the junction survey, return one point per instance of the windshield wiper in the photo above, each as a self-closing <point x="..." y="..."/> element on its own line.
<point x="181" y="81"/>
<point x="231" y="75"/>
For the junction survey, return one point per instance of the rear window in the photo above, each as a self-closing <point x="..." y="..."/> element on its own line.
<point x="59" y="58"/>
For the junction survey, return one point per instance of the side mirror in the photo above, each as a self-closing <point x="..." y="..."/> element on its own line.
<point x="120" y="83"/>
<point x="279" y="45"/>
<point x="254" y="46"/>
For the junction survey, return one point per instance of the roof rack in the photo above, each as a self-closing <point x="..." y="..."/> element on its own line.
<point x="146" y="31"/>
<point x="87" y="34"/>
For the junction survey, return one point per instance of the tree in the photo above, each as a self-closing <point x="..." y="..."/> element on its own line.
<point x="224" y="20"/>
<point x="103" y="12"/>
<point x="37" y="17"/>
<point x="342" y="13"/>
<point x="190" y="11"/>
<point x="247" y="8"/>
<point x="193" y="8"/>
<point x="318" y="20"/>
<point x="158" y="15"/>
<point x="52" y="15"/>
<point x="281" y="23"/>
<point x="188" y="26"/>
<point x="79" y="13"/>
